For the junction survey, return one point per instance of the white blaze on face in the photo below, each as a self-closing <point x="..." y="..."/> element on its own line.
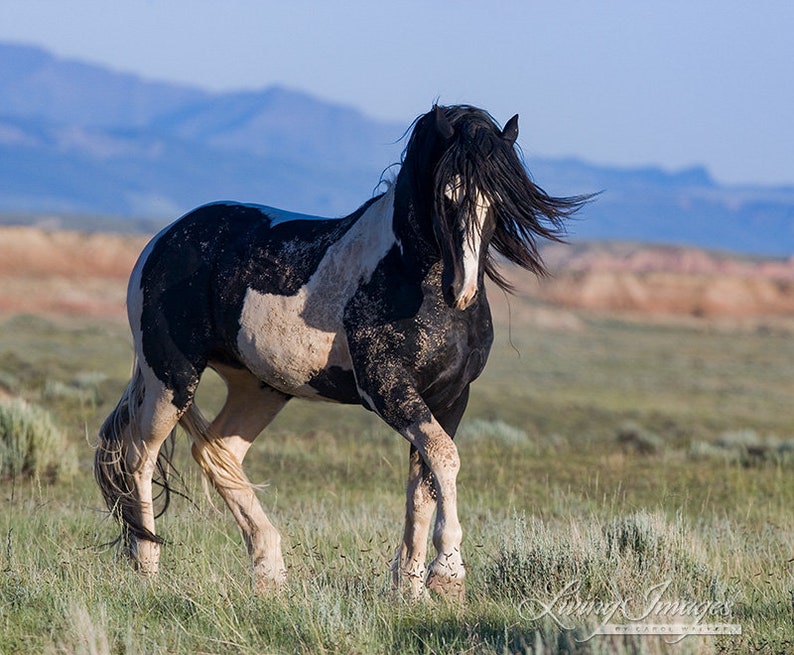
<point x="472" y="243"/>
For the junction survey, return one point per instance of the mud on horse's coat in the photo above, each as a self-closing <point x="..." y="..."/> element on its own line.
<point x="385" y="308"/>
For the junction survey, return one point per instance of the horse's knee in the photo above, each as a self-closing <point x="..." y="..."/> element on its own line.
<point x="437" y="449"/>
<point x="443" y="459"/>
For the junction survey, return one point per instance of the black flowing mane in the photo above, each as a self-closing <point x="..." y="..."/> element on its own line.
<point x="479" y="158"/>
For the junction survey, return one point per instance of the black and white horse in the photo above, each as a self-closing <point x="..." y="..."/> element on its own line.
<point x="385" y="308"/>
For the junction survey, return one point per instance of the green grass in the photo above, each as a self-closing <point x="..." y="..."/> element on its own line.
<point x="551" y="492"/>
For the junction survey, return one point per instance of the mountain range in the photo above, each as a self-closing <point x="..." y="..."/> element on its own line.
<point x="78" y="140"/>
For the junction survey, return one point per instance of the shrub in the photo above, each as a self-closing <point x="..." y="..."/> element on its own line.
<point x="601" y="557"/>
<point x="495" y="431"/>
<point x="649" y="543"/>
<point x="31" y="444"/>
<point x="8" y="381"/>
<point x="85" y="388"/>
<point x="745" y="447"/>
<point x="633" y="436"/>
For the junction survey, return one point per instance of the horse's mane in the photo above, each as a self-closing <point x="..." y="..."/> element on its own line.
<point x="479" y="159"/>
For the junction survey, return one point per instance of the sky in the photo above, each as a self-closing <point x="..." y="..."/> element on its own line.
<point x="674" y="84"/>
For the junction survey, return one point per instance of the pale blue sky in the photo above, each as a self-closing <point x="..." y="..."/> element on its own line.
<point x="625" y="82"/>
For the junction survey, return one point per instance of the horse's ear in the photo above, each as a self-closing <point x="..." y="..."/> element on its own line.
<point x="510" y="133"/>
<point x="443" y="125"/>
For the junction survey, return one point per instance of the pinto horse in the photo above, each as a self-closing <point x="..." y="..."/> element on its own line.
<point x="384" y="308"/>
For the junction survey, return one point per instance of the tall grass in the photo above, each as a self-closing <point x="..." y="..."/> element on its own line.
<point x="60" y="593"/>
<point x="578" y="465"/>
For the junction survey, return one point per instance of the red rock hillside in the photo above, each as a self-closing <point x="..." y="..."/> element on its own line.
<point x="80" y="274"/>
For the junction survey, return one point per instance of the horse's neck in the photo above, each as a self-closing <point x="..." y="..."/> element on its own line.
<point x="412" y="227"/>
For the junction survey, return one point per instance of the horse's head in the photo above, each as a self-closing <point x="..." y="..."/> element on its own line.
<point x="469" y="184"/>
<point x="463" y="222"/>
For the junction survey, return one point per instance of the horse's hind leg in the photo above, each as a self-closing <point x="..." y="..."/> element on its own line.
<point x="220" y="449"/>
<point x="158" y="419"/>
<point x="126" y="459"/>
<point x="420" y="503"/>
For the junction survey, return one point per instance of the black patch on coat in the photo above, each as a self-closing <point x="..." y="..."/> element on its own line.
<point x="336" y="383"/>
<point x="411" y="352"/>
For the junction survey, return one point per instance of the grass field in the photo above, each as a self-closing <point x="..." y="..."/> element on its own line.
<point x="620" y="461"/>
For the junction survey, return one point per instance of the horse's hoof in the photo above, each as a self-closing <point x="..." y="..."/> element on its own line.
<point x="269" y="579"/>
<point x="412" y="590"/>
<point x="449" y="588"/>
<point x="268" y="586"/>
<point x="145" y="558"/>
<point x="409" y="583"/>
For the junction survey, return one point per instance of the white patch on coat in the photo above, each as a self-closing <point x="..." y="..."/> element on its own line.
<point x="286" y="340"/>
<point x="135" y="291"/>
<point x="472" y="245"/>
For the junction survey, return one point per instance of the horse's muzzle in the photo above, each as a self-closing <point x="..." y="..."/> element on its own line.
<point x="459" y="294"/>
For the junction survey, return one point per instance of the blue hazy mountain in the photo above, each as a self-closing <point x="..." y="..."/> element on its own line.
<point x="80" y="139"/>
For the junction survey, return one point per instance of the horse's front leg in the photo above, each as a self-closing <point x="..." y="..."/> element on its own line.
<point x="446" y="572"/>
<point x="408" y="569"/>
<point x="433" y="470"/>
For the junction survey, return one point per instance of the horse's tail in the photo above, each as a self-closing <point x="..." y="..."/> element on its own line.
<point x="216" y="461"/>
<point x="118" y="444"/>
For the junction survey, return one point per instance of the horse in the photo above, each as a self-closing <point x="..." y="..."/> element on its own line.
<point x="385" y="308"/>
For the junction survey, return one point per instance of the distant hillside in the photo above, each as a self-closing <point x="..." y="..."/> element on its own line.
<point x="78" y="140"/>
<point x="666" y="280"/>
<point x="56" y="272"/>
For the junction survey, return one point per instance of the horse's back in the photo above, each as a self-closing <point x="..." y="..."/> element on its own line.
<point x="233" y="283"/>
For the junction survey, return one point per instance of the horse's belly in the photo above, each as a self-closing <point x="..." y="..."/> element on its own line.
<point x="292" y="345"/>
